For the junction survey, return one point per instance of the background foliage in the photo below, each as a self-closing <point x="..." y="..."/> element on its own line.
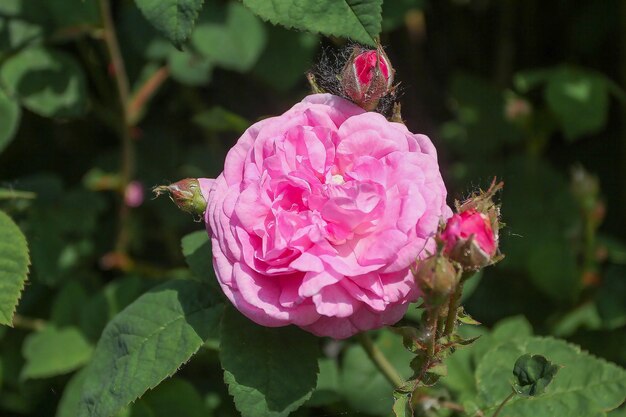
<point x="529" y="91"/>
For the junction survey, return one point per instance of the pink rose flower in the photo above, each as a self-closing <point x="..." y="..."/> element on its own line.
<point x="318" y="215"/>
<point x="470" y="239"/>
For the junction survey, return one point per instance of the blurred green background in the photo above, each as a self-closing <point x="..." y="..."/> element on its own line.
<point x="529" y="91"/>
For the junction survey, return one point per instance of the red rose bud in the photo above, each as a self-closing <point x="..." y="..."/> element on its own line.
<point x="470" y="239"/>
<point x="186" y="194"/>
<point x="436" y="277"/>
<point x="367" y="77"/>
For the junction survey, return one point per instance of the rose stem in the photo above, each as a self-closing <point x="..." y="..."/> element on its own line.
<point x="379" y="359"/>
<point x="455" y="300"/>
<point x="123" y="92"/>
<point x="501" y="406"/>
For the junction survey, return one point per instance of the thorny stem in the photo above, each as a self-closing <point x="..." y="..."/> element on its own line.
<point x="455" y="300"/>
<point x="27" y="323"/>
<point x="501" y="406"/>
<point x="123" y="91"/>
<point x="379" y="359"/>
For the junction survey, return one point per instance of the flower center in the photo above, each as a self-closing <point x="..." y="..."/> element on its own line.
<point x="337" y="179"/>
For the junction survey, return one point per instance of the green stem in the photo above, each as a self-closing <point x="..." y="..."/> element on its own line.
<point x="501" y="406"/>
<point x="27" y="323"/>
<point x="8" y="194"/>
<point x="379" y="359"/>
<point x="123" y="91"/>
<point x="455" y="300"/>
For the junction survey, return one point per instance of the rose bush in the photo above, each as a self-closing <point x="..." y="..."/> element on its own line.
<point x="318" y="215"/>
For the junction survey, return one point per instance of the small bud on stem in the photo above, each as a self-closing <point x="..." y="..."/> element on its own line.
<point x="186" y="194"/>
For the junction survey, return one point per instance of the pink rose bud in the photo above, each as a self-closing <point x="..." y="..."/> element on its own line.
<point x="470" y="239"/>
<point x="133" y="194"/>
<point x="436" y="277"/>
<point x="367" y="77"/>
<point x="186" y="194"/>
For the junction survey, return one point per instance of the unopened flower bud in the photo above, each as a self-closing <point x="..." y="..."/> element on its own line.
<point x="437" y="278"/>
<point x="367" y="77"/>
<point x="470" y="239"/>
<point x="186" y="194"/>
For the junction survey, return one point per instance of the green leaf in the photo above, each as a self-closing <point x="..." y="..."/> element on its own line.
<point x="359" y="20"/>
<point x="173" y="18"/>
<point x="9" y="119"/>
<point x="327" y="389"/>
<point x="14" y="261"/>
<point x="585" y="386"/>
<point x="174" y="397"/>
<point x="147" y="342"/>
<point x="233" y="41"/>
<point x="362" y="385"/>
<point x="218" y="119"/>
<point x="46" y="81"/>
<point x="580" y="100"/>
<point x="289" y="56"/>
<point x="190" y="68"/>
<point x="402" y="404"/>
<point x="270" y="372"/>
<point x="68" y="405"/>
<point x="52" y="351"/>
<point x="533" y="374"/>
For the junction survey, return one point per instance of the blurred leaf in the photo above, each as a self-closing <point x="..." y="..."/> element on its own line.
<point x="533" y="374"/>
<point x="73" y="13"/>
<point x="611" y="298"/>
<point x="362" y="385"/>
<point x="68" y="304"/>
<point x="197" y="251"/>
<point x="402" y="404"/>
<point x="585" y="385"/>
<point x="580" y="100"/>
<point x="68" y="405"/>
<point x="552" y="267"/>
<point x="190" y="68"/>
<point x="48" y="82"/>
<point x="285" y="367"/>
<point x="395" y="11"/>
<point x="234" y="42"/>
<point x="146" y="343"/>
<point x="218" y="119"/>
<point x="173" y="397"/>
<point x="52" y="352"/>
<point x="173" y="18"/>
<point x="482" y="128"/>
<point x="22" y="23"/>
<point x="359" y="20"/>
<point x="327" y="389"/>
<point x="285" y="61"/>
<point x="9" y="119"/>
<point x="14" y="261"/>
<point x="584" y="316"/>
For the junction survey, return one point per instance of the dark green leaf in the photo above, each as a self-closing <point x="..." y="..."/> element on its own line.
<point x="14" y="261"/>
<point x="48" y="82"/>
<point x="284" y="371"/>
<point x="174" y="397"/>
<point x="327" y="389"/>
<point x="533" y="374"/>
<point x="146" y="343"/>
<point x="173" y="18"/>
<point x="356" y="19"/>
<point x="9" y="119"/>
